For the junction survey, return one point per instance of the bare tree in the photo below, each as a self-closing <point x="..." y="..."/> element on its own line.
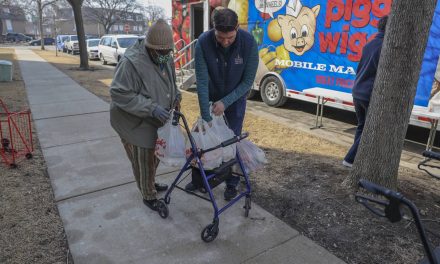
<point x="393" y="95"/>
<point x="109" y="12"/>
<point x="38" y="6"/>
<point x="153" y="13"/>
<point x="77" y="12"/>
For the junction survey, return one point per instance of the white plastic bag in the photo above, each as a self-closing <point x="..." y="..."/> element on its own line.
<point x="170" y="145"/>
<point x="224" y="133"/>
<point x="253" y="157"/>
<point x="205" y="138"/>
<point x="434" y="103"/>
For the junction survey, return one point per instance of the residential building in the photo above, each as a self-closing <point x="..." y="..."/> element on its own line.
<point x="13" y="19"/>
<point x="132" y="23"/>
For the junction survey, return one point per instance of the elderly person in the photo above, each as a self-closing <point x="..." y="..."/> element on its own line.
<point x="143" y="92"/>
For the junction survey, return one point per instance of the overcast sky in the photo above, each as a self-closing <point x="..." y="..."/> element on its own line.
<point x="166" y="4"/>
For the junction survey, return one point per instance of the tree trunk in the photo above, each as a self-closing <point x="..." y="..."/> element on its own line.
<point x="1" y="30"/>
<point x="84" y="60"/>
<point x="40" y="22"/>
<point x="393" y="95"/>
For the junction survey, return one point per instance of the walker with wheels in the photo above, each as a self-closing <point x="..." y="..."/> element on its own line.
<point x="210" y="179"/>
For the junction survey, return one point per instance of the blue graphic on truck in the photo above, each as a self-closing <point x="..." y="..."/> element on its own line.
<point x="312" y="43"/>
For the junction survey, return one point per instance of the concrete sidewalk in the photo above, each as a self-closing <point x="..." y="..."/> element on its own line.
<point x="101" y="208"/>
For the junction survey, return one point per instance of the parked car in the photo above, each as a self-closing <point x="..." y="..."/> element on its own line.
<point x="112" y="47"/>
<point x="92" y="37"/>
<point x="37" y="42"/>
<point x="60" y="42"/>
<point x="17" y="37"/>
<point x="92" y="48"/>
<point x="71" y="44"/>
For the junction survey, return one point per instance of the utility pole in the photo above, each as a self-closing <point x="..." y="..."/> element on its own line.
<point x="55" y="35"/>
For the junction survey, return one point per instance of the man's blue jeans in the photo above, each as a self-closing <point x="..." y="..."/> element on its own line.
<point x="361" y="108"/>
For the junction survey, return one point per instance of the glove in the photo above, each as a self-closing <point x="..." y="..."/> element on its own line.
<point x="161" y="114"/>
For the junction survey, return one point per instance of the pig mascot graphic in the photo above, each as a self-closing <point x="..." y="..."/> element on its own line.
<point x="298" y="27"/>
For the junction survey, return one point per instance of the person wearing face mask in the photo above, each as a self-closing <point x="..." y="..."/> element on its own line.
<point x="143" y="92"/>
<point x="226" y="61"/>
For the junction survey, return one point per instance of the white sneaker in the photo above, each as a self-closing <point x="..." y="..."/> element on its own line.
<point x="346" y="164"/>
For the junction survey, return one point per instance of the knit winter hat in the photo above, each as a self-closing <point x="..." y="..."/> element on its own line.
<point x="160" y="36"/>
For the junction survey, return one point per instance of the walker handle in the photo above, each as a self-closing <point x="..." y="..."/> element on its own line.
<point x="392" y="206"/>
<point x="226" y="143"/>
<point x="431" y="154"/>
<point x="380" y="190"/>
<point x="234" y="139"/>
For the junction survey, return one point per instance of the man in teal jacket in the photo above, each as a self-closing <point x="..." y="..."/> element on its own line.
<point x="226" y="61"/>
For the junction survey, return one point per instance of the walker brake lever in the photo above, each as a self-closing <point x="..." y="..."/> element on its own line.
<point x="364" y="200"/>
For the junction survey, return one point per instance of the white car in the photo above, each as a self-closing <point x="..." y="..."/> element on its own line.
<point x="71" y="44"/>
<point x="92" y="48"/>
<point x="112" y="47"/>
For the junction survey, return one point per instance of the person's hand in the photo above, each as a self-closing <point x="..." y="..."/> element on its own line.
<point x="208" y="123"/>
<point x="218" y="108"/>
<point x="161" y="114"/>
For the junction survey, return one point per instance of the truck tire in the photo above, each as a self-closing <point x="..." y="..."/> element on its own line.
<point x="272" y="92"/>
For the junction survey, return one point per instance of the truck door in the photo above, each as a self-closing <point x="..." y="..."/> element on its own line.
<point x="196" y="20"/>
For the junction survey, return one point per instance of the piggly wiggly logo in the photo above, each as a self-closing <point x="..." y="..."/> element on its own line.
<point x="298" y="27"/>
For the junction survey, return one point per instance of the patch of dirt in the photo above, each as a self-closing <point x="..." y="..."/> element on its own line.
<point x="302" y="186"/>
<point x="31" y="230"/>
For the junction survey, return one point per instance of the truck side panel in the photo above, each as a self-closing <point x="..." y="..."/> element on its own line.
<point x="318" y="43"/>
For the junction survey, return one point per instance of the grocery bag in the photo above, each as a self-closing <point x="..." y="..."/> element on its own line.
<point x="224" y="133"/>
<point x="251" y="155"/>
<point x="434" y="103"/>
<point x="170" y="145"/>
<point x="205" y="138"/>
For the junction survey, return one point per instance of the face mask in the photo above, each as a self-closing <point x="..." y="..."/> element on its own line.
<point x="162" y="59"/>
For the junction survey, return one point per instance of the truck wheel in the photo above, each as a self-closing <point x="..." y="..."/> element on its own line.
<point x="272" y="92"/>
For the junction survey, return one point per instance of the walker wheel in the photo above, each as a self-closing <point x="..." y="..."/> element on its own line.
<point x="247" y="205"/>
<point x="29" y="155"/>
<point x="210" y="232"/>
<point x="162" y="209"/>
